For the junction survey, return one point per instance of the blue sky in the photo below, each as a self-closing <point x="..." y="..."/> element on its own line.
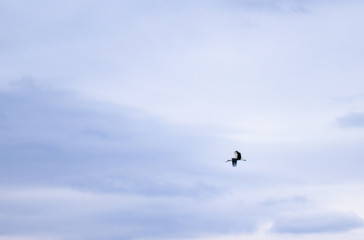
<point x="116" y="118"/>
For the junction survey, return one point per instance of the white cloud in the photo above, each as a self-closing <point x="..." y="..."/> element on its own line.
<point x="136" y="105"/>
<point x="268" y="72"/>
<point x="317" y="223"/>
<point x="67" y="161"/>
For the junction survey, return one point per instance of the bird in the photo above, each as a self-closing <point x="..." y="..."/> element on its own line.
<point x="235" y="160"/>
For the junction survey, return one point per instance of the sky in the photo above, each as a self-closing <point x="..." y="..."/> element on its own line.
<point x="117" y="117"/>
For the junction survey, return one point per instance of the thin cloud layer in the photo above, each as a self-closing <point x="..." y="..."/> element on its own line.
<point x="76" y="169"/>
<point x="317" y="223"/>
<point x="134" y="107"/>
<point x="352" y="120"/>
<point x="52" y="142"/>
<point x="54" y="134"/>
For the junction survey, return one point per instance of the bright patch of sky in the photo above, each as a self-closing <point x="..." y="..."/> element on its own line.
<point x="117" y="117"/>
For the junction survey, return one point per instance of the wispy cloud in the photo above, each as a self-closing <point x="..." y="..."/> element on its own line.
<point x="69" y="164"/>
<point x="53" y="142"/>
<point x="352" y="120"/>
<point x="132" y="108"/>
<point x="49" y="134"/>
<point x="317" y="223"/>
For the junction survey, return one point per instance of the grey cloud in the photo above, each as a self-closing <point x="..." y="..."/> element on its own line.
<point x="127" y="174"/>
<point x="132" y="174"/>
<point x="79" y="215"/>
<point x="317" y="223"/>
<point x="52" y="137"/>
<point x="352" y="120"/>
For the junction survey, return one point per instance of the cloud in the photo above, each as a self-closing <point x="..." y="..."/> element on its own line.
<point x="69" y="164"/>
<point x="317" y="223"/>
<point x="75" y="167"/>
<point x="213" y="50"/>
<point x="68" y="213"/>
<point x="56" y="137"/>
<point x="352" y="120"/>
<point x="98" y="163"/>
<point x="113" y="169"/>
